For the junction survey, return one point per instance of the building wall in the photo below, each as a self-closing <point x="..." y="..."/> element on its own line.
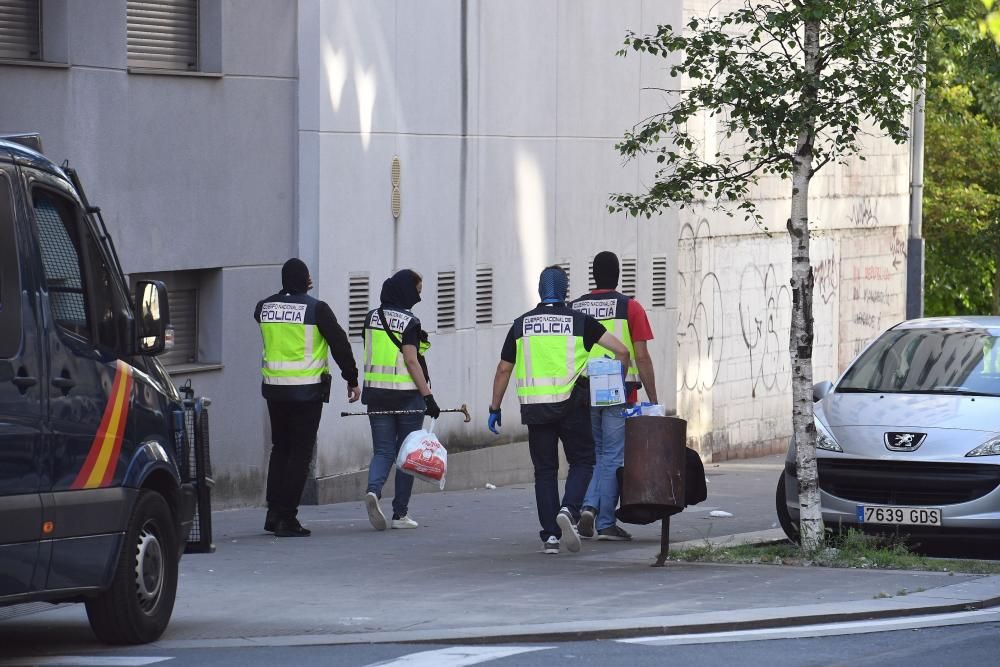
<point x="504" y="117"/>
<point x="193" y="173"/>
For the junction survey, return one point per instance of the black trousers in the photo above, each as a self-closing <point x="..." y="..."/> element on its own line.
<point x="577" y="438"/>
<point x="293" y="436"/>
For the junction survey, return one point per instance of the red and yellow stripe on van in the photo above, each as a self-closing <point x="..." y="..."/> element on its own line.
<point x="99" y="468"/>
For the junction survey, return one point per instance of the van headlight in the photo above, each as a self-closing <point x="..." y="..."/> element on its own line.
<point x="825" y="441"/>
<point x="989" y="448"/>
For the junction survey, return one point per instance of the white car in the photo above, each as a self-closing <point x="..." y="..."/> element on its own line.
<point x="908" y="440"/>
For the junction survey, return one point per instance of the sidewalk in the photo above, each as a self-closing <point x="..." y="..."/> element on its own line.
<point x="473" y="571"/>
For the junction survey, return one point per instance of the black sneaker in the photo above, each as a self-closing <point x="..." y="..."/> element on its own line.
<point x="569" y="536"/>
<point x="291" y="528"/>
<point x="270" y="521"/>
<point x="585" y="527"/>
<point x="614" y="533"/>
<point x="551" y="545"/>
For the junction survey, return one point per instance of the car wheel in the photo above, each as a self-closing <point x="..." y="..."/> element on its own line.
<point x="137" y="606"/>
<point x="788" y="524"/>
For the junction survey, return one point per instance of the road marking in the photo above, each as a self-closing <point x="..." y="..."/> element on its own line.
<point x="822" y="629"/>
<point x="457" y="656"/>
<point x="82" y="661"/>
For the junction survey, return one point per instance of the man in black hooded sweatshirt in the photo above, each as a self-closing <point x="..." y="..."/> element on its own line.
<point x="299" y="333"/>
<point x="395" y="380"/>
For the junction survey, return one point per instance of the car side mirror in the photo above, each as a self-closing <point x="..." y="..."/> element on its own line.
<point x="821" y="389"/>
<point x="153" y="317"/>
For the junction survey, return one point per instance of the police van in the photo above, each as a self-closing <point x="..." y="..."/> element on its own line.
<point x="104" y="473"/>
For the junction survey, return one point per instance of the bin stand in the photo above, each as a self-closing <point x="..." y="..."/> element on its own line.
<point x="661" y="559"/>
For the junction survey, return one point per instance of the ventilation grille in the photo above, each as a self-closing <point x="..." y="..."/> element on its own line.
<point x="565" y="266"/>
<point x="484" y="295"/>
<point x="446" y="300"/>
<point x="659" y="299"/>
<point x="591" y="283"/>
<point x="357" y="305"/>
<point x="628" y="277"/>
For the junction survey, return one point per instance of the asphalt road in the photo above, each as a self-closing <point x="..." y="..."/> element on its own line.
<point x="968" y="644"/>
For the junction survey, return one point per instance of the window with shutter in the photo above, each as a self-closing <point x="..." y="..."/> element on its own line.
<point x="446" y="300"/>
<point x="659" y="299"/>
<point x="484" y="295"/>
<point x="20" y="29"/>
<point x="629" y="277"/>
<point x="591" y="283"/>
<point x="358" y="296"/>
<point x="163" y="34"/>
<point x="183" y="309"/>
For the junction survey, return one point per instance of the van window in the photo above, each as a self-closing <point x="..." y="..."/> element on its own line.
<point x="10" y="288"/>
<point x="59" y="239"/>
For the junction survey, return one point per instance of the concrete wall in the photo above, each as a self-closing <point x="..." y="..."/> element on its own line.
<point x="192" y="173"/>
<point x="504" y="119"/>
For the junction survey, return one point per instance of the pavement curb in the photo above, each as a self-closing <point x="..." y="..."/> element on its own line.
<point x="925" y="603"/>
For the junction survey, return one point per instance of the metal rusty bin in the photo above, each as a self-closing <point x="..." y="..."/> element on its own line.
<point x="653" y="476"/>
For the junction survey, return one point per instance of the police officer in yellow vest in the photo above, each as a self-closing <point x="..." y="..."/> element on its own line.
<point x="396" y="380"/>
<point x="299" y="333"/>
<point x="626" y="319"/>
<point x="547" y="350"/>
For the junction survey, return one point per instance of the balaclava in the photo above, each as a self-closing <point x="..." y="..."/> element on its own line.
<point x="606" y="270"/>
<point x="400" y="290"/>
<point x="295" y="277"/>
<point x="552" y="285"/>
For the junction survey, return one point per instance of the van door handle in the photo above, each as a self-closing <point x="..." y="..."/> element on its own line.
<point x="24" y="382"/>
<point x="64" y="383"/>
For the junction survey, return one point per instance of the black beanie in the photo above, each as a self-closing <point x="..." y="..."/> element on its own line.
<point x="295" y="276"/>
<point x="606" y="270"/>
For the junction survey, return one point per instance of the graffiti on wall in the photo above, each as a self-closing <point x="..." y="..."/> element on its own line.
<point x="872" y="275"/>
<point x="700" y="318"/>
<point x="864" y="213"/>
<point x="765" y="317"/>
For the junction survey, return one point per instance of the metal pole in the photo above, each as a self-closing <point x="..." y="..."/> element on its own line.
<point x="915" y="243"/>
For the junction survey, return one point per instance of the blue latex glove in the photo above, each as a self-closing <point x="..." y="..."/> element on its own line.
<point x="494" y="421"/>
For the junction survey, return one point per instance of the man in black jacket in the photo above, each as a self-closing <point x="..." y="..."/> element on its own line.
<point x="299" y="333"/>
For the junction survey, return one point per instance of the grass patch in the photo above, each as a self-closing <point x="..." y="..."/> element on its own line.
<point x="852" y="549"/>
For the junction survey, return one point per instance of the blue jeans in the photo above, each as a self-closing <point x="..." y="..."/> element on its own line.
<point x="388" y="433"/>
<point x="608" y="425"/>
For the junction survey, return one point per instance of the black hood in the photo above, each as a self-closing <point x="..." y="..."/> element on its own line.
<point x="295" y="277"/>
<point x="401" y="290"/>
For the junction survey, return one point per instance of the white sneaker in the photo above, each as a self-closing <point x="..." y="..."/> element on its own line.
<point x="374" y="511"/>
<point x="551" y="545"/>
<point x="404" y="522"/>
<point x="569" y="535"/>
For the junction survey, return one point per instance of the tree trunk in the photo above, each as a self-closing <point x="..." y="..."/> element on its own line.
<point x="996" y="282"/>
<point x="801" y="334"/>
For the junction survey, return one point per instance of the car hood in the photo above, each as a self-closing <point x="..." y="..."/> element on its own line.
<point x="971" y="413"/>
<point x="953" y="424"/>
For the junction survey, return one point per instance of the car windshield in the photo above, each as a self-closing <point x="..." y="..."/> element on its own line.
<point x="928" y="361"/>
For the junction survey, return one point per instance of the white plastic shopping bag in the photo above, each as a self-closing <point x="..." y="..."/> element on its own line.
<point x="423" y="456"/>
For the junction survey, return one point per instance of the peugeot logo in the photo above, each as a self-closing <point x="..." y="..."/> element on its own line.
<point x="904" y="442"/>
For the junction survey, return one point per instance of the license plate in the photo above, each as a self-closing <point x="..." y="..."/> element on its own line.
<point x="899" y="516"/>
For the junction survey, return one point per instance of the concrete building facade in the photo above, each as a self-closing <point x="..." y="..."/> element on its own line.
<point x="472" y="141"/>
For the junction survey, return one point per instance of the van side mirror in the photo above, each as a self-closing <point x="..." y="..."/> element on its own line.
<point x="821" y="389"/>
<point x="152" y="316"/>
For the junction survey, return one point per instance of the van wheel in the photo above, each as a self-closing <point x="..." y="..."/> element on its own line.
<point x="789" y="525"/>
<point x="137" y="606"/>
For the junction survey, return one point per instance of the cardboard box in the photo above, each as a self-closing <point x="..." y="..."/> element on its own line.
<point x="607" y="386"/>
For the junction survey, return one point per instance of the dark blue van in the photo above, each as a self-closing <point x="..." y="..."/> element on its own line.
<point x="102" y="461"/>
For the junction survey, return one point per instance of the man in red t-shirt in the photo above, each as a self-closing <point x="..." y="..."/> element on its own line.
<point x="614" y="309"/>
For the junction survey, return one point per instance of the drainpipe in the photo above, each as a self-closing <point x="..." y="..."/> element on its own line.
<point x="915" y="243"/>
